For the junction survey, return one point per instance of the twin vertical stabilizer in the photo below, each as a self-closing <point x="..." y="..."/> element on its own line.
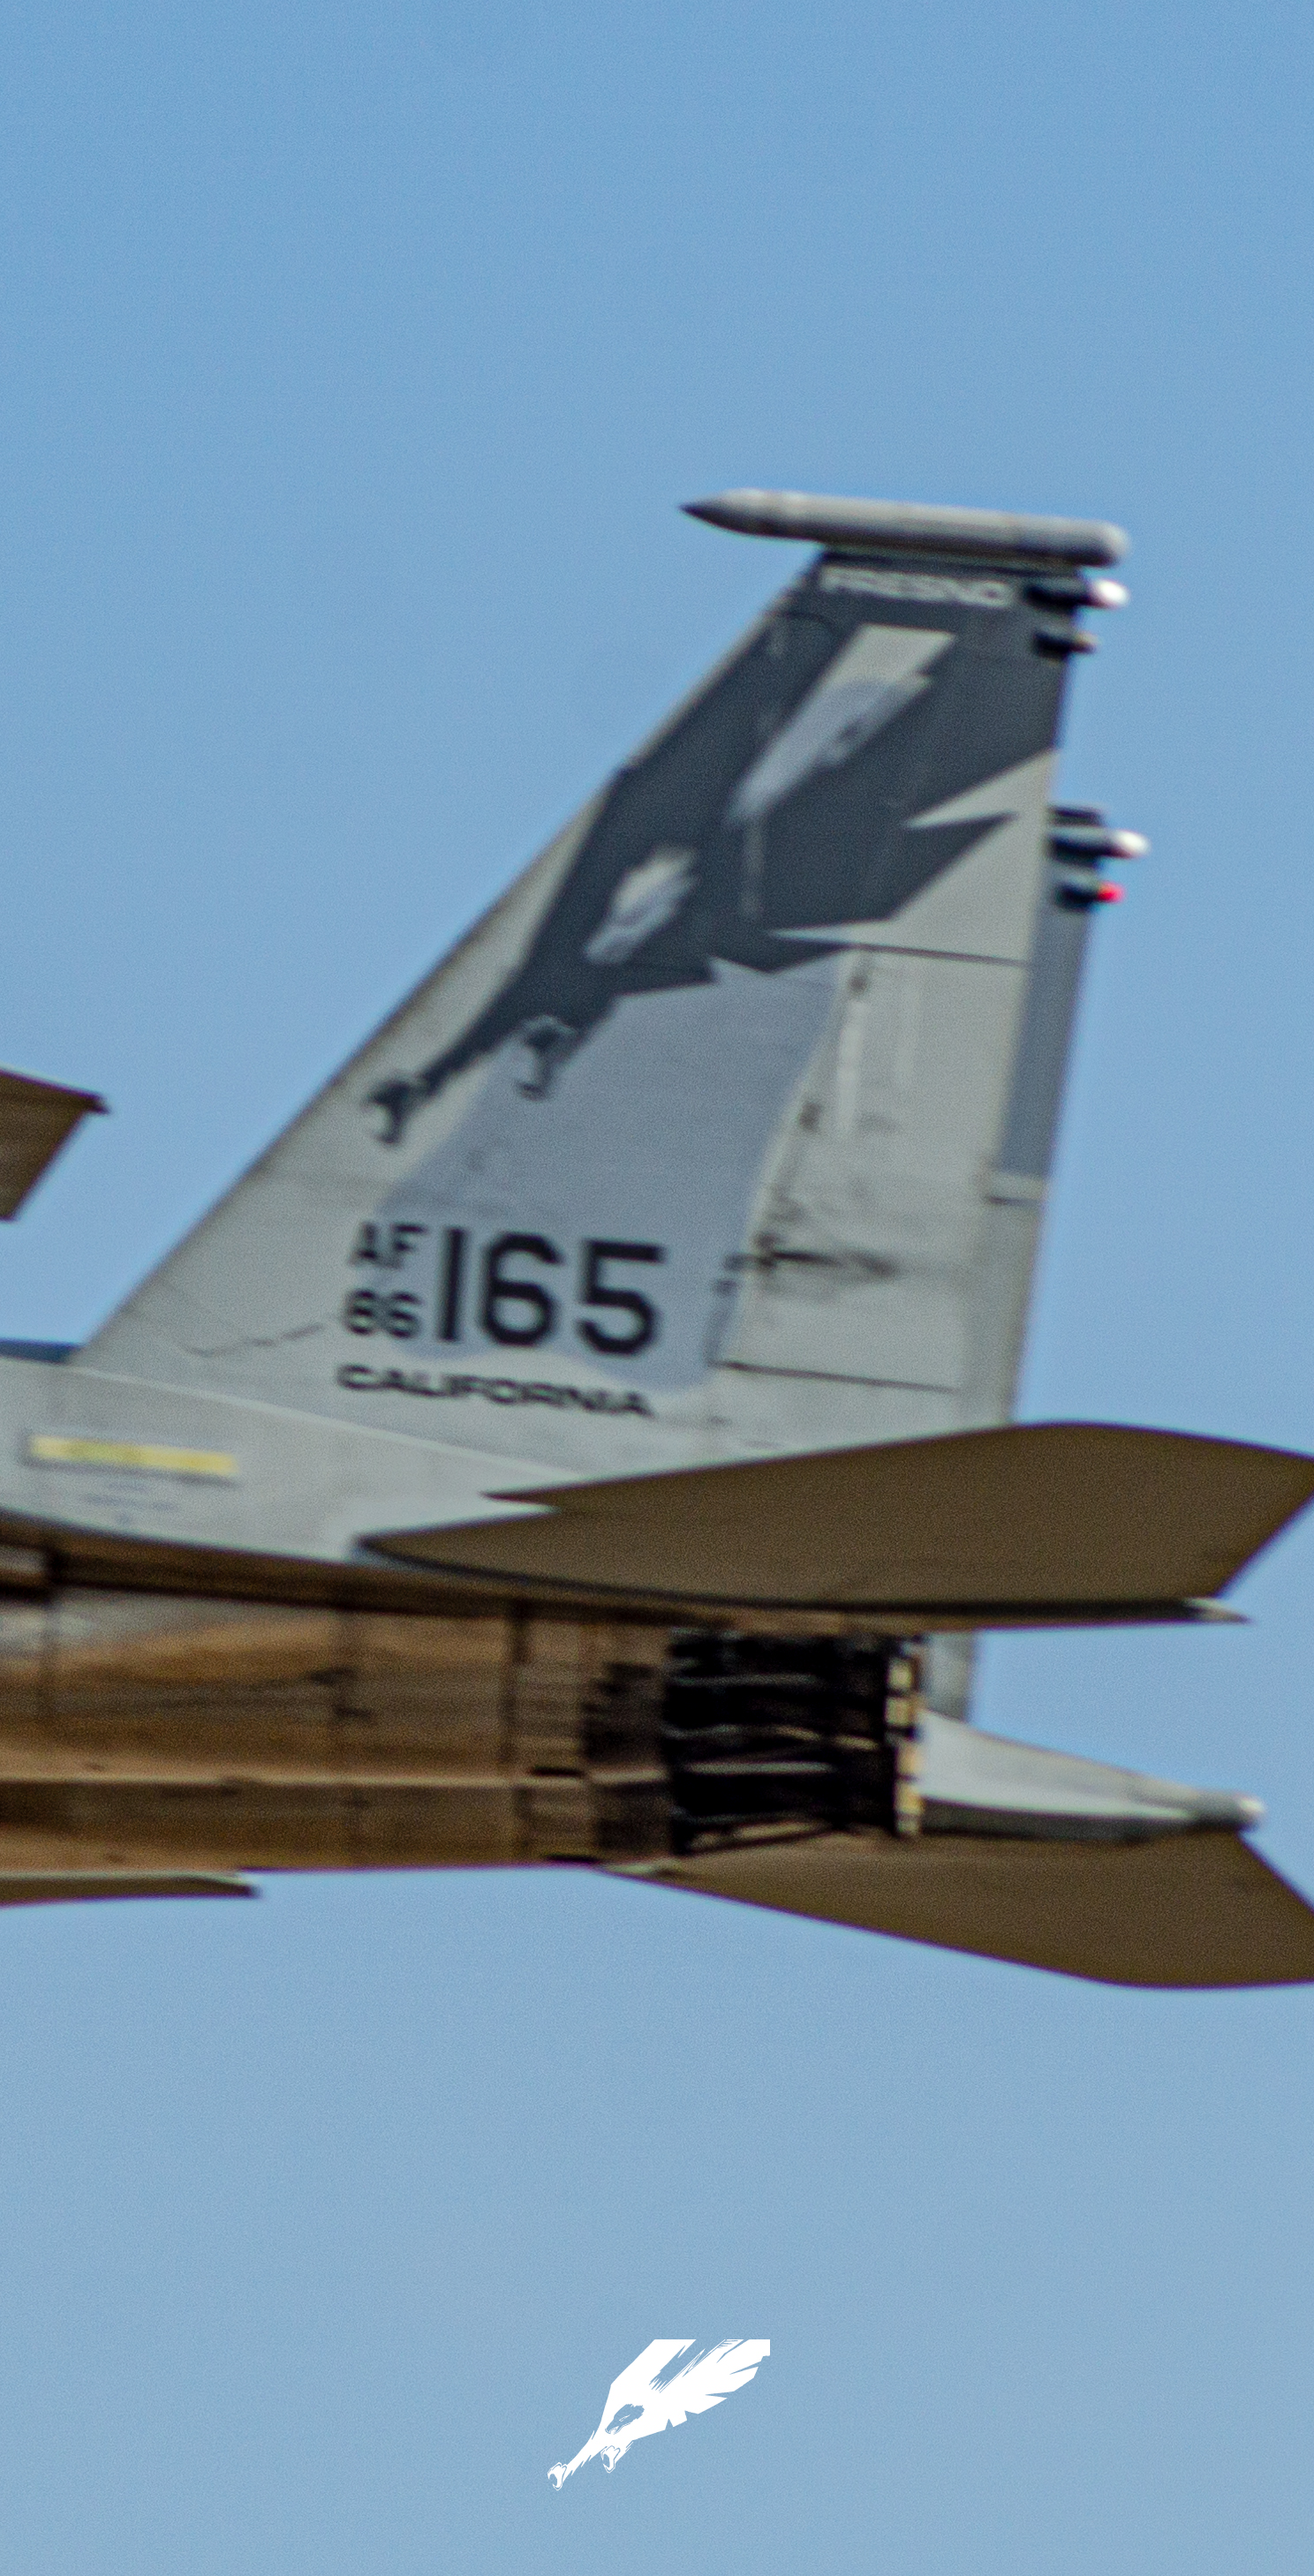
<point x="727" y="1131"/>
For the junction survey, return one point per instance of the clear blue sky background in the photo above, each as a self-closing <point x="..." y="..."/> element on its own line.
<point x="354" y="360"/>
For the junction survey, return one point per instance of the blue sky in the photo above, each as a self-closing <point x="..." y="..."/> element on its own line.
<point x="354" y="362"/>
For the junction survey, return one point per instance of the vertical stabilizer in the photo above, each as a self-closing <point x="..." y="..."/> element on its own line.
<point x="726" y="1131"/>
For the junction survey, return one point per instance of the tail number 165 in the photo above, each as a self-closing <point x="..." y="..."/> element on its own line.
<point x="512" y="1292"/>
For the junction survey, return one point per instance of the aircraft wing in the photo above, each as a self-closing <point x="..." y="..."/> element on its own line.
<point x="1028" y="1523"/>
<point x="36" y="1119"/>
<point x="1195" y="1909"/>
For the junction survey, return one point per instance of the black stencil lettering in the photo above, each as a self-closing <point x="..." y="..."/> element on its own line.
<point x="517" y="1311"/>
<point x="451" y="1280"/>
<point x="643" y="1321"/>
<point x="403" y="1237"/>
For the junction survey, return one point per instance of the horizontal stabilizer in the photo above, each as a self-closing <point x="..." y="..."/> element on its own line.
<point x="1029" y="1524"/>
<point x="1188" y="1909"/>
<point x="61" y="1887"/>
<point x="36" y="1118"/>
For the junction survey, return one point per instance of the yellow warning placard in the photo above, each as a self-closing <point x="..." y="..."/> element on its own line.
<point x="140" y="1457"/>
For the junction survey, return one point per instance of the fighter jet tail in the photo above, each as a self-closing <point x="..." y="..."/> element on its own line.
<point x="727" y="1131"/>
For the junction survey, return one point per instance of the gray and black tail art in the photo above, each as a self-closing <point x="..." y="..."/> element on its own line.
<point x="727" y="1131"/>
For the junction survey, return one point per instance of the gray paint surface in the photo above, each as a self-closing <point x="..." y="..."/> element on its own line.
<point x="755" y="1013"/>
